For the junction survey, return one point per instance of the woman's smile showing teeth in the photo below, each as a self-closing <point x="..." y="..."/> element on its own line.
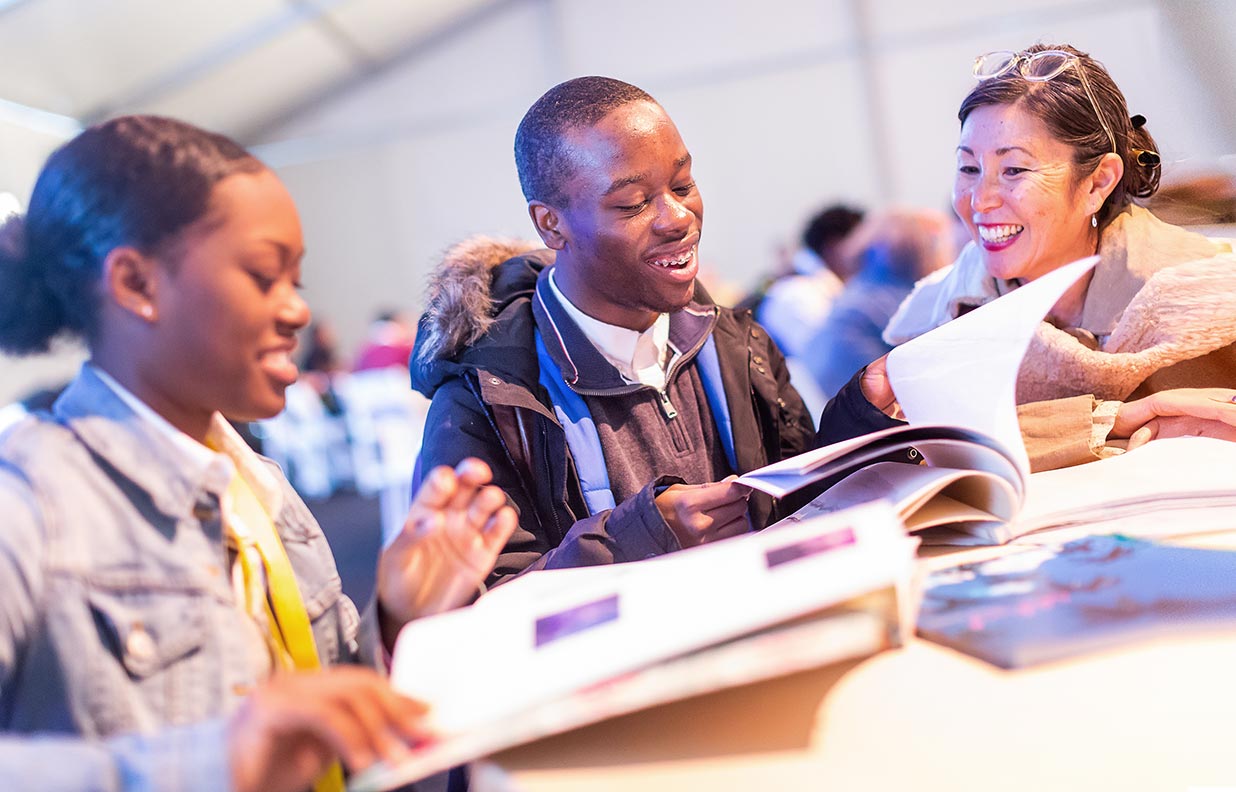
<point x="998" y="236"/>
<point x="278" y="364"/>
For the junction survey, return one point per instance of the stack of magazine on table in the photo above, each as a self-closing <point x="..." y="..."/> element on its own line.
<point x="956" y="385"/>
<point x="557" y="649"/>
<point x="1041" y="604"/>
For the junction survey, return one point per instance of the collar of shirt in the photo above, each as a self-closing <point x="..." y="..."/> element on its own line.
<point x="806" y="261"/>
<point x="639" y="357"/>
<point x="233" y="454"/>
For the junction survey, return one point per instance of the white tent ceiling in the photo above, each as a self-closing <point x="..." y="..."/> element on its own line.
<point x="238" y="66"/>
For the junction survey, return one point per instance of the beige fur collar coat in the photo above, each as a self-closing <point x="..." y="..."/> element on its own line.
<point x="1160" y="312"/>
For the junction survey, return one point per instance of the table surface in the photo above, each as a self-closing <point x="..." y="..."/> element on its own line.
<point x="1152" y="716"/>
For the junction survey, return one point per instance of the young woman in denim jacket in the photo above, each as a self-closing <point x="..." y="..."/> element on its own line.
<point x="128" y="657"/>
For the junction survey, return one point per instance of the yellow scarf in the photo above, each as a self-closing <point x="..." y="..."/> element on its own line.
<point x="274" y="595"/>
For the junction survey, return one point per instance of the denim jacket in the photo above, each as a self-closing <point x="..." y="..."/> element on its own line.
<point x="118" y="623"/>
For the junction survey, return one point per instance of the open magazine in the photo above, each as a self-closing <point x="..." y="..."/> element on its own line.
<point x="1168" y="487"/>
<point x="957" y="387"/>
<point x="969" y="490"/>
<point x="557" y="649"/>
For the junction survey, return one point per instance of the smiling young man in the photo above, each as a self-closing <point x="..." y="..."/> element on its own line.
<point x="611" y="397"/>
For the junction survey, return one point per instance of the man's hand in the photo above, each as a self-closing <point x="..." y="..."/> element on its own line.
<point x="289" y="730"/>
<point x="878" y="390"/>
<point x="454" y="532"/>
<point x="699" y="513"/>
<point x="1180" y="412"/>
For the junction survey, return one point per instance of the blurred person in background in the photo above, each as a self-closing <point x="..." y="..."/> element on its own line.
<point x="888" y="253"/>
<point x="388" y="342"/>
<point x="170" y="613"/>
<point x="320" y="363"/>
<point x="794" y="305"/>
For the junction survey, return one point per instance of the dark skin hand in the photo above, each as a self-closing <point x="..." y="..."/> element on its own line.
<point x="699" y="513"/>
<point x="456" y="527"/>
<point x="289" y="730"/>
<point x="878" y="390"/>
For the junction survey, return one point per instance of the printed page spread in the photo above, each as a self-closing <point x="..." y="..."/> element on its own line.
<point x="599" y="641"/>
<point x="956" y="386"/>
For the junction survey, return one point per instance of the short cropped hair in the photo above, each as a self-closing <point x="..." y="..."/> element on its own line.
<point x="540" y="150"/>
<point x="829" y="226"/>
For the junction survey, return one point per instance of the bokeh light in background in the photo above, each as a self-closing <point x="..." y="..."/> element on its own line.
<point x="9" y="204"/>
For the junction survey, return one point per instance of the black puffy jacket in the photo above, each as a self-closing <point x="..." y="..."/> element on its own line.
<point x="476" y="360"/>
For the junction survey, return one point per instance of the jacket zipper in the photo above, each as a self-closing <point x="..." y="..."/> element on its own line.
<point x="667" y="406"/>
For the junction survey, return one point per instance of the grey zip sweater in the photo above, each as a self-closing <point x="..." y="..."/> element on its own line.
<point x="646" y="435"/>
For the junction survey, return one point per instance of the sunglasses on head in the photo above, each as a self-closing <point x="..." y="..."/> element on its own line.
<point x="1047" y="65"/>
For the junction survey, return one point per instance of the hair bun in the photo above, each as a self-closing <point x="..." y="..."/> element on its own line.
<point x="30" y="314"/>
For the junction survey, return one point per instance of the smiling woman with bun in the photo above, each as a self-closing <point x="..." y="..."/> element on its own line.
<point x="1049" y="165"/>
<point x="170" y="612"/>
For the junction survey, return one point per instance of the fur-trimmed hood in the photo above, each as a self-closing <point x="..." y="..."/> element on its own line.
<point x="476" y="310"/>
<point x="1183" y="313"/>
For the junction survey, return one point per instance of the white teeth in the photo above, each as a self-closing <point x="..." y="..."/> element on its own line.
<point x="675" y="262"/>
<point x="999" y="233"/>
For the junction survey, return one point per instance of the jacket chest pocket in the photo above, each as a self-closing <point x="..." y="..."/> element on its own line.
<point x="148" y="631"/>
<point x="155" y="665"/>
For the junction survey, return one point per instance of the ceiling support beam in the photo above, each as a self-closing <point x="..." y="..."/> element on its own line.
<point x="38" y="120"/>
<point x="414" y="48"/>
<point x="202" y="64"/>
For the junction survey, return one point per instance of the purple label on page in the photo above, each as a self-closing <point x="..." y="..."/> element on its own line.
<point x="804" y="548"/>
<point x="582" y="617"/>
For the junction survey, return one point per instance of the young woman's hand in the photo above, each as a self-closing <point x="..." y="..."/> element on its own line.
<point x="294" y="725"/>
<point x="454" y="532"/>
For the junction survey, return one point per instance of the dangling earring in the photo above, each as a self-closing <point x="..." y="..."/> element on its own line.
<point x="1094" y="221"/>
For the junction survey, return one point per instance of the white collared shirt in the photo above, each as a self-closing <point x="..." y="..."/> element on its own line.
<point x="639" y="357"/>
<point x="233" y="455"/>
<point x="234" y="452"/>
<point x="195" y="454"/>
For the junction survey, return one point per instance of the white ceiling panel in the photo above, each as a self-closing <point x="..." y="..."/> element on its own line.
<point x="655" y="42"/>
<point x="298" y="63"/>
<point x="439" y="85"/>
<point x="911" y="18"/>
<point x="384" y="27"/>
<point x="69" y="56"/>
<point x="230" y="64"/>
